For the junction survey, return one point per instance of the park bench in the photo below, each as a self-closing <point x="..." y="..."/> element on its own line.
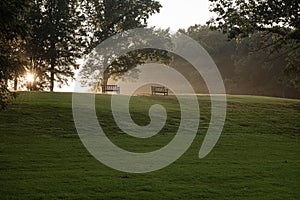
<point x="110" y="88"/>
<point x="159" y="89"/>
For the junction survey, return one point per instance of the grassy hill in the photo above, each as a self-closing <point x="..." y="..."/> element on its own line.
<point x="257" y="156"/>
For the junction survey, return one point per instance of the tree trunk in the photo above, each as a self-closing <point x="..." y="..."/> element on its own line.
<point x="6" y="82"/>
<point x="51" y="78"/>
<point x="105" y="78"/>
<point x="52" y="66"/>
<point x="52" y="46"/>
<point x="15" y="83"/>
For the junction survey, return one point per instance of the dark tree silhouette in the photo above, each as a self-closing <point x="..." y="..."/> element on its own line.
<point x="247" y="66"/>
<point x="13" y="31"/>
<point x="57" y="40"/>
<point x="110" y="17"/>
<point x="241" y="19"/>
<point x="93" y="73"/>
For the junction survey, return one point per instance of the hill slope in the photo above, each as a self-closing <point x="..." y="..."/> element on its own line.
<point x="257" y="156"/>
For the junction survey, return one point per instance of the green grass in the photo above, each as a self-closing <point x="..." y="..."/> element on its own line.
<point x="257" y="156"/>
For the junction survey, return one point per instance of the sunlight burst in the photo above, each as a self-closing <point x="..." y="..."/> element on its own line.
<point x="29" y="77"/>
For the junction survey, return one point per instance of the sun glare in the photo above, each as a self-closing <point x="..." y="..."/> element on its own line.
<point x="29" y="77"/>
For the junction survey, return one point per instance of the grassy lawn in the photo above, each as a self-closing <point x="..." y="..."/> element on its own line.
<point x="257" y="156"/>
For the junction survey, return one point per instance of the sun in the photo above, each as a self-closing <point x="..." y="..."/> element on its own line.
<point x="29" y="77"/>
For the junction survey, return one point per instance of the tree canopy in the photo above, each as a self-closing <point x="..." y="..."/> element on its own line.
<point x="246" y="67"/>
<point x="278" y="19"/>
<point x="13" y="32"/>
<point x="56" y="40"/>
<point x="46" y="38"/>
<point x="243" y="18"/>
<point x="106" y="62"/>
<point x="58" y="33"/>
<point x="108" y="18"/>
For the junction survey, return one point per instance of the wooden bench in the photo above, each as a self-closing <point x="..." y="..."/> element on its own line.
<point x="110" y="88"/>
<point x="157" y="89"/>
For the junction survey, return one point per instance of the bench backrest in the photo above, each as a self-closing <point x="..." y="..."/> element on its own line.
<point x="159" y="89"/>
<point x="110" y="88"/>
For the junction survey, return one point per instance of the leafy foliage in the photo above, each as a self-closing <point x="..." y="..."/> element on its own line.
<point x="247" y="66"/>
<point x="292" y="70"/>
<point x="56" y="41"/>
<point x="110" y="17"/>
<point x="103" y="64"/>
<point x="60" y="32"/>
<point x="6" y="97"/>
<point x="243" y="18"/>
<point x="276" y="19"/>
<point x="13" y="32"/>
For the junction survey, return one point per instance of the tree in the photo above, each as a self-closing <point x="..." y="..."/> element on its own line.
<point x="94" y="72"/>
<point x="13" y="31"/>
<point x="292" y="70"/>
<point x="57" y="40"/>
<point x="257" y="71"/>
<point x="110" y="17"/>
<point x="216" y="44"/>
<point x="247" y="66"/>
<point x="276" y="18"/>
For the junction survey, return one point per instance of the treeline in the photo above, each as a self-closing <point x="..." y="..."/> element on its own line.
<point x="47" y="37"/>
<point x="248" y="66"/>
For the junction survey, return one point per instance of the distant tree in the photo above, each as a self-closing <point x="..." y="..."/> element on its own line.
<point x="247" y="66"/>
<point x="13" y="31"/>
<point x="217" y="45"/>
<point x="257" y="70"/>
<point x="292" y="69"/>
<point x="280" y="19"/>
<point x="57" y="41"/>
<point x="110" y="17"/>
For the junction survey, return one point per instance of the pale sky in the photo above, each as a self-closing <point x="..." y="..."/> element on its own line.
<point x="177" y="14"/>
<point x="174" y="14"/>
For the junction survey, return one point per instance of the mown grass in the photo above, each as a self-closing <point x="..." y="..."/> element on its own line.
<point x="257" y="156"/>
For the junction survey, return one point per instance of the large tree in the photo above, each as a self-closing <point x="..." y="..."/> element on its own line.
<point x="13" y="32"/>
<point x="93" y="72"/>
<point x="110" y="17"/>
<point x="276" y="18"/>
<point x="57" y="40"/>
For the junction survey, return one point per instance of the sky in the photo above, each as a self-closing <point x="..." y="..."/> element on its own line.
<point x="177" y="14"/>
<point x="174" y="14"/>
